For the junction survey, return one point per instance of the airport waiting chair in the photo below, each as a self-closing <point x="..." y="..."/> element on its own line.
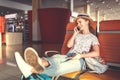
<point x="69" y="31"/>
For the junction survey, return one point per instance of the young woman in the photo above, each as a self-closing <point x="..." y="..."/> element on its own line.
<point x="83" y="44"/>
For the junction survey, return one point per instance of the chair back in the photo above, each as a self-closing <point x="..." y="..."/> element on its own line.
<point x="109" y="38"/>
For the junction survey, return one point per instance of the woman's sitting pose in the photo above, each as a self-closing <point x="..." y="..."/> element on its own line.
<point x="82" y="44"/>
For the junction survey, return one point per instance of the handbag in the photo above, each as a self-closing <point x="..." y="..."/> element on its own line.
<point x="95" y="65"/>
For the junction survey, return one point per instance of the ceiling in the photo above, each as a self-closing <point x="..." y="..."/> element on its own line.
<point x="7" y="10"/>
<point x="28" y="2"/>
<point x="105" y="6"/>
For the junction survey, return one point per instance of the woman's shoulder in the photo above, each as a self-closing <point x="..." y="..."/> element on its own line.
<point x="93" y="36"/>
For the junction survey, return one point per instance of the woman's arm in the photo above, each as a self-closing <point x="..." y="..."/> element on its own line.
<point x="95" y="52"/>
<point x="71" y="40"/>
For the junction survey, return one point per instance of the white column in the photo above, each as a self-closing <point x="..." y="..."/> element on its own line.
<point x="87" y="9"/>
<point x="98" y="20"/>
<point x="74" y="14"/>
<point x="72" y="5"/>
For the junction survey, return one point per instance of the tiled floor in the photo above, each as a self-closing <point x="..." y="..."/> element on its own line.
<point x="8" y="67"/>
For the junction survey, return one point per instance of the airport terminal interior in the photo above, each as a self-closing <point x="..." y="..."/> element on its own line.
<point x="43" y="25"/>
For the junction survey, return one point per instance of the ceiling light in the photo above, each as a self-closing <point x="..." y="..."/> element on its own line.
<point x="103" y="2"/>
<point x="92" y="3"/>
<point x="1" y="12"/>
<point x="66" y="0"/>
<point x="88" y="1"/>
<point x="7" y="11"/>
<point x="117" y="0"/>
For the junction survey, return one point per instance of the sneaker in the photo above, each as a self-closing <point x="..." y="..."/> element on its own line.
<point x="32" y="58"/>
<point x="22" y="65"/>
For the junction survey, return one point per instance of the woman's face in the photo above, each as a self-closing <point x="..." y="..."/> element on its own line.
<point x="82" y="23"/>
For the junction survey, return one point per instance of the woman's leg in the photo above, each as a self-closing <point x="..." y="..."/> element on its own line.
<point x="23" y="66"/>
<point x="69" y="66"/>
<point x="59" y="65"/>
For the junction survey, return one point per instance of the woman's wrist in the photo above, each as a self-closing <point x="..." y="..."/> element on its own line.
<point x="75" y="34"/>
<point x="80" y="56"/>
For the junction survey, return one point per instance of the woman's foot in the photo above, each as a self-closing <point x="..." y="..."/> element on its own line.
<point x="25" y="68"/>
<point x="32" y="58"/>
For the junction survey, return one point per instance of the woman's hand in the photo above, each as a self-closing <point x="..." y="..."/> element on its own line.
<point x="77" y="56"/>
<point x="71" y="40"/>
<point x="76" y="31"/>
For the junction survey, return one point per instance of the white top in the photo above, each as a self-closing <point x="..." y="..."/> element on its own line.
<point x="83" y="43"/>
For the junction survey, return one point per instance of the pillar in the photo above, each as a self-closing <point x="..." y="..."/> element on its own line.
<point x="35" y="25"/>
<point x="98" y="19"/>
<point x="87" y="9"/>
<point x="72" y="5"/>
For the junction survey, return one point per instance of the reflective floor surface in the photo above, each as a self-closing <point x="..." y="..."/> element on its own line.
<point x="10" y="71"/>
<point x="8" y="67"/>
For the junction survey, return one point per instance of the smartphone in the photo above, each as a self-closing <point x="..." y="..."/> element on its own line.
<point x="78" y="28"/>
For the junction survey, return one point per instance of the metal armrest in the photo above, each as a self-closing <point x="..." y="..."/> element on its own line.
<point x="51" y="52"/>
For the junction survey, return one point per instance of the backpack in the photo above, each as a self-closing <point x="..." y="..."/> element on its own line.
<point x="36" y="77"/>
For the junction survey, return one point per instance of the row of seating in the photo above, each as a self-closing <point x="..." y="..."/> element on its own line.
<point x="109" y="38"/>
